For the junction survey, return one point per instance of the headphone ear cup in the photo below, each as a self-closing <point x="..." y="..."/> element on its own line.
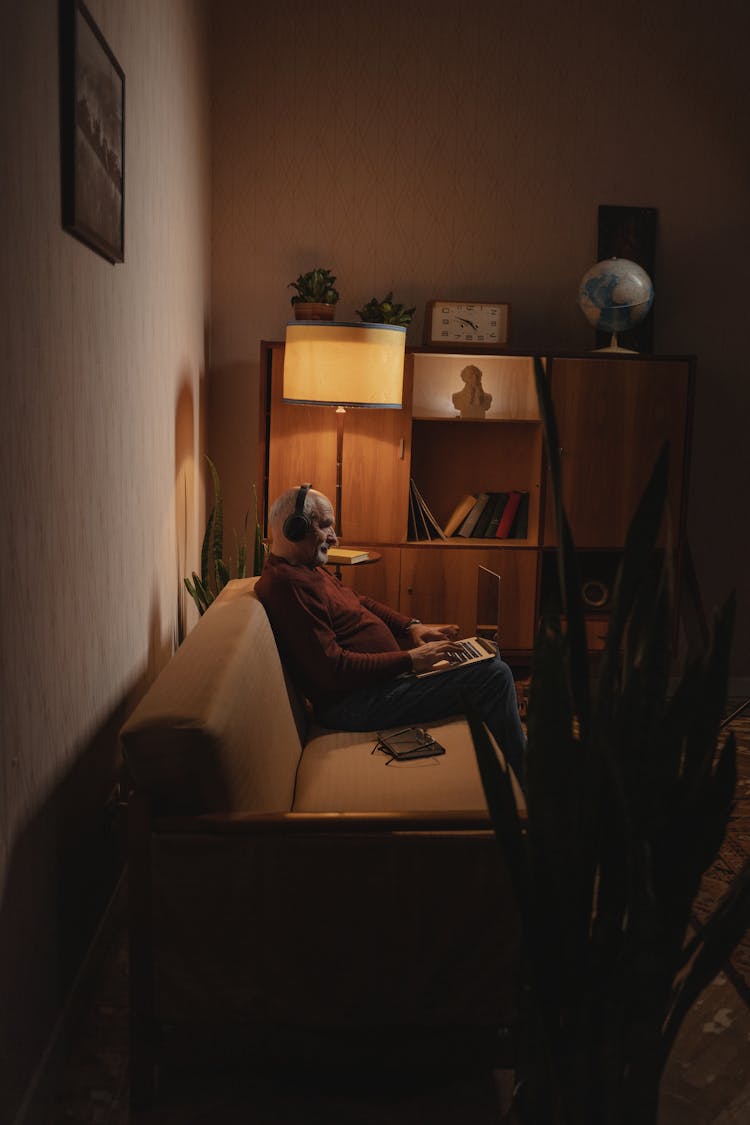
<point x="296" y="528"/>
<point x="297" y="524"/>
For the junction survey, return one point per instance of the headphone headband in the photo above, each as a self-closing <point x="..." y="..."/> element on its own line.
<point x="297" y="525"/>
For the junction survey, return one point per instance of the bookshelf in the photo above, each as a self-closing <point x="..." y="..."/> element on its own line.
<point x="613" y="412"/>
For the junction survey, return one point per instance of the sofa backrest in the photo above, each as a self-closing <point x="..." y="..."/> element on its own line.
<point x="217" y="730"/>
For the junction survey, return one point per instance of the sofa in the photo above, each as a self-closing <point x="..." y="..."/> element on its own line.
<point x="292" y="892"/>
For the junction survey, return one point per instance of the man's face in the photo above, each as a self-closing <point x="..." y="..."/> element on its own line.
<point x="321" y="536"/>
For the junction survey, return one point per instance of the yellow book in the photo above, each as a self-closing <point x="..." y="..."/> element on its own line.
<point x="346" y="555"/>
<point x="460" y="512"/>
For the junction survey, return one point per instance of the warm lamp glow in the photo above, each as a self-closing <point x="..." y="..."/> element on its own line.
<point x="329" y="364"/>
<point x="341" y="365"/>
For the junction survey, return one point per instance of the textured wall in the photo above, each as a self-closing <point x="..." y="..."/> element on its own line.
<point x="459" y="150"/>
<point x="102" y="375"/>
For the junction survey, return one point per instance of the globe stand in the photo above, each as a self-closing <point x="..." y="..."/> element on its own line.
<point x="613" y="346"/>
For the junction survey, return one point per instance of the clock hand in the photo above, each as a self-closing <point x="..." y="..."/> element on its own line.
<point x="468" y="323"/>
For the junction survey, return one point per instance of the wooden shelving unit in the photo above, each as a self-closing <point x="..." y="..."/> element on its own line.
<point x="613" y="411"/>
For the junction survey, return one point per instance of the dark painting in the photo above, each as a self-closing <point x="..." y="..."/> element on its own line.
<point x="93" y="134"/>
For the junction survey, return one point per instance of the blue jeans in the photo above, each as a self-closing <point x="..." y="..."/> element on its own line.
<point x="488" y="687"/>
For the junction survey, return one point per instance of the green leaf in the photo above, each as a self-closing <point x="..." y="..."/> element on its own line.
<point x="222" y="575"/>
<point x="567" y="558"/>
<point x="498" y="791"/>
<point x="716" y="941"/>
<point x="217" y="539"/>
<point x="206" y="547"/>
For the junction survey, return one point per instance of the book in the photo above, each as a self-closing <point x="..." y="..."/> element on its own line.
<point x="346" y="555"/>
<point x="459" y="514"/>
<point x="480" y="529"/>
<point x="466" y="530"/>
<point x="520" y="528"/>
<point x="417" y="529"/>
<point x="509" y="514"/>
<point x="421" y="520"/>
<point x="501" y="499"/>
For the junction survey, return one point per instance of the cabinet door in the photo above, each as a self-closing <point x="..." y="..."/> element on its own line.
<point x="613" y="416"/>
<point x="301" y="446"/>
<point x="379" y="580"/>
<point x="440" y="584"/>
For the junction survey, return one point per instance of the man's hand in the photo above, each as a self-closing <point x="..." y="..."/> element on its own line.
<point x="428" y="654"/>
<point x="422" y="634"/>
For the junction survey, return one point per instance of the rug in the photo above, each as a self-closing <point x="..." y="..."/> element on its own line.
<point x="733" y="853"/>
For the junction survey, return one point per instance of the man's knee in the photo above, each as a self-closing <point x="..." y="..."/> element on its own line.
<point x="500" y="673"/>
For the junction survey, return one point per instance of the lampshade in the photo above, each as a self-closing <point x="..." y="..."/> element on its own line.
<point x="339" y="364"/>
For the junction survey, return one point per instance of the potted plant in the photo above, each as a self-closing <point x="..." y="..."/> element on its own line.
<point x="316" y="295"/>
<point x="386" y="311"/>
<point x="628" y="793"/>
<point x="215" y="570"/>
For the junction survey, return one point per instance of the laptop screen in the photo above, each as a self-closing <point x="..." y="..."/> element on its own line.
<point x="488" y="604"/>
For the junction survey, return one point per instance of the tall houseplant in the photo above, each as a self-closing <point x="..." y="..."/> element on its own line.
<point x="628" y="797"/>
<point x="215" y="569"/>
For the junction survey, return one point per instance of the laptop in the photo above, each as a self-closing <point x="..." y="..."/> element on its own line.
<point x="473" y="650"/>
<point x="470" y="650"/>
<point x="488" y="604"/>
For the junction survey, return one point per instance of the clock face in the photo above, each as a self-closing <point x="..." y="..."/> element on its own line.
<point x="480" y="324"/>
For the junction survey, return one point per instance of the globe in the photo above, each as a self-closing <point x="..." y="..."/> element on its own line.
<point x="615" y="295"/>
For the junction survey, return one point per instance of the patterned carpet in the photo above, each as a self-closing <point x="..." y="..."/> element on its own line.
<point x="734" y="851"/>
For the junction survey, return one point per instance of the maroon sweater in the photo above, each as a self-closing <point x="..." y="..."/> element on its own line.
<point x="331" y="640"/>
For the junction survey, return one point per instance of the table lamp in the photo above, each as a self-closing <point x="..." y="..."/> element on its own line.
<point x="343" y="365"/>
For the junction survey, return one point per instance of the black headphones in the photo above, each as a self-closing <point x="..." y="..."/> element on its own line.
<point x="297" y="525"/>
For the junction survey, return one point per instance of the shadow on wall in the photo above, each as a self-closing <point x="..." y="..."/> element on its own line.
<point x="190" y="492"/>
<point x="184" y="505"/>
<point x="63" y="868"/>
<point x="232" y="436"/>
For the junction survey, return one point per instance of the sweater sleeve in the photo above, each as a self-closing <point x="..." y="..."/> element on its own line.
<point x="302" y="622"/>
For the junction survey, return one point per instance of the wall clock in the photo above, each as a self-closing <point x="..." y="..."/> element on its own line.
<point x="476" y="324"/>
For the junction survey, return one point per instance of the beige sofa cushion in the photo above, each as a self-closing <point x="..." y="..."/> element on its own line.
<point x="216" y="732"/>
<point x="339" y="773"/>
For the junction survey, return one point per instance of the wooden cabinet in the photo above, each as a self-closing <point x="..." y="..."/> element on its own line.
<point x="613" y="416"/>
<point x="613" y="412"/>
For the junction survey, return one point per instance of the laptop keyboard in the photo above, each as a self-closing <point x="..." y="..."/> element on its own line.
<point x="470" y="650"/>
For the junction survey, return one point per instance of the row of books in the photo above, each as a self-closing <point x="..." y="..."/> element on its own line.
<point x="491" y="515"/>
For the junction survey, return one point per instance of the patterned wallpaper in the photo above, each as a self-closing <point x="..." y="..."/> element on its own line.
<point x="102" y="373"/>
<point x="462" y="150"/>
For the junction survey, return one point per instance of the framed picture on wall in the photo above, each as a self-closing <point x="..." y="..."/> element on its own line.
<point x="92" y="133"/>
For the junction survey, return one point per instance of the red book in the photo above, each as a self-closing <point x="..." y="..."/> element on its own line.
<point x="509" y="514"/>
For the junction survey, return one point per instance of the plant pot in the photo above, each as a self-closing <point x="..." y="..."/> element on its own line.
<point x="312" y="310"/>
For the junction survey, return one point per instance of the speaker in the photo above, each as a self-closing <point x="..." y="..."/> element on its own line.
<point x="297" y="525"/>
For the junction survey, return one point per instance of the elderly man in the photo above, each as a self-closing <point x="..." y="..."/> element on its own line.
<point x="343" y="650"/>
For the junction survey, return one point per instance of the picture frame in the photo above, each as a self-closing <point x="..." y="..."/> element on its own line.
<point x="629" y="232"/>
<point x="92" y="134"/>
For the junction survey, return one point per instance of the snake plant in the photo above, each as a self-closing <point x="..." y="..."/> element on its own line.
<point x="215" y="570"/>
<point x="628" y="791"/>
